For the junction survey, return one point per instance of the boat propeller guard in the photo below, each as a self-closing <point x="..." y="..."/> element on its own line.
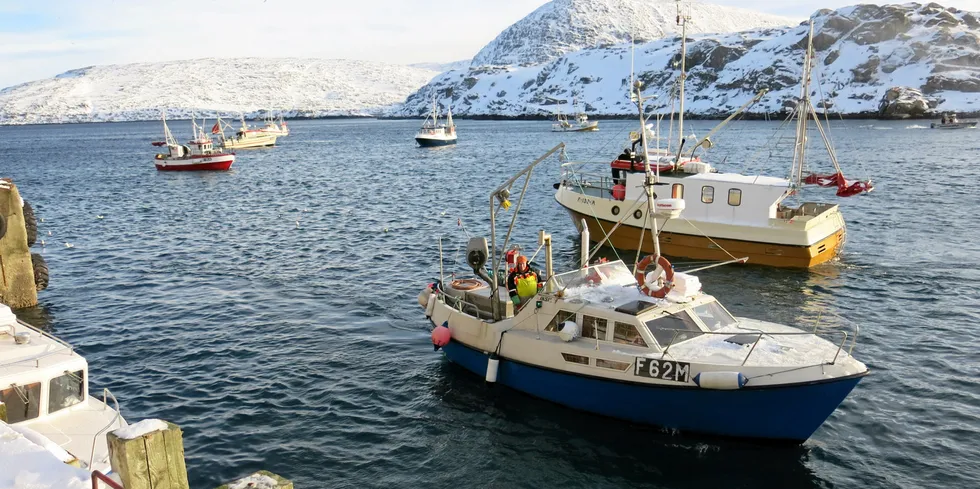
<point x="663" y="268"/>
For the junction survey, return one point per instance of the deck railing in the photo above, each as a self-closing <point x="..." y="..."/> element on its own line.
<point x="106" y="395"/>
<point x="844" y="335"/>
<point x="37" y="359"/>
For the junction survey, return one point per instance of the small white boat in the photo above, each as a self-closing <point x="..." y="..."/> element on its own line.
<point x="273" y="127"/>
<point x="45" y="386"/>
<point x="950" y="121"/>
<point x="433" y="133"/>
<point x="754" y="216"/>
<point x="581" y="124"/>
<point x="244" y="138"/>
<point x="199" y="154"/>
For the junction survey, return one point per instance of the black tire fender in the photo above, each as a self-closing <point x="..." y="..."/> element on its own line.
<point x="40" y="271"/>
<point x="30" y="223"/>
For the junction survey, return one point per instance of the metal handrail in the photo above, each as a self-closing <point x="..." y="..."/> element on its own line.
<point x="99" y="476"/>
<point x="457" y="301"/>
<point x="37" y="359"/>
<point x="758" y="338"/>
<point x="105" y="395"/>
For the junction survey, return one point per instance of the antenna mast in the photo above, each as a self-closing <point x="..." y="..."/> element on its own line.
<point x="682" y="21"/>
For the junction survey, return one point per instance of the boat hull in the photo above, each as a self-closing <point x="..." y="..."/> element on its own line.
<point x="431" y="142"/>
<point x="220" y="162"/>
<point x="589" y="128"/>
<point x="713" y="248"/>
<point x="785" y="413"/>
<point x="955" y="125"/>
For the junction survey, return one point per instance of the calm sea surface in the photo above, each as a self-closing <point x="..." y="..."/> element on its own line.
<point x="271" y="311"/>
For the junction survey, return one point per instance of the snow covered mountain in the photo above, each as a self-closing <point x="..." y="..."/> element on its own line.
<point x="300" y="87"/>
<point x="862" y="52"/>
<point x="564" y="26"/>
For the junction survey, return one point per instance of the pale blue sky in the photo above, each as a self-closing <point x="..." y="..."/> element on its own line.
<point x="42" y="38"/>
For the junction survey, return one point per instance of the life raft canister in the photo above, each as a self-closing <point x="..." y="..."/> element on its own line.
<point x="662" y="264"/>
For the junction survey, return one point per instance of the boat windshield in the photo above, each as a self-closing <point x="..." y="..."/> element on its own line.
<point x="65" y="391"/>
<point x="673" y="328"/>
<point x="714" y="316"/>
<point x="612" y="273"/>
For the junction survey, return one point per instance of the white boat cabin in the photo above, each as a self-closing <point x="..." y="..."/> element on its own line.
<point x="44" y="386"/>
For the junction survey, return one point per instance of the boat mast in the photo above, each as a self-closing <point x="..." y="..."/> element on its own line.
<point x="803" y="114"/>
<point x="651" y="178"/>
<point x="682" y="21"/>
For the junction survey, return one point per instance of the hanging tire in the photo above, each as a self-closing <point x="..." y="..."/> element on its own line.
<point x="40" y="271"/>
<point x="30" y="222"/>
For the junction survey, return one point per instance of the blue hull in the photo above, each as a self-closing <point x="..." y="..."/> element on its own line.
<point x="789" y="413"/>
<point x="426" y="143"/>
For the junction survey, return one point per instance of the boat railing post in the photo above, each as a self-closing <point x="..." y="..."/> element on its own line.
<point x="442" y="280"/>
<point x="857" y="329"/>
<point x="105" y="405"/>
<point x="585" y="244"/>
<point x="839" y="348"/>
<point x="756" y="342"/>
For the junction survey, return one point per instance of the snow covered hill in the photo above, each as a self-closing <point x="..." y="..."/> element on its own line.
<point x="300" y="87"/>
<point x="862" y="52"/>
<point x="564" y="26"/>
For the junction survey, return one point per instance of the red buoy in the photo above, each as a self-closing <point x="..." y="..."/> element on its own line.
<point x="440" y="336"/>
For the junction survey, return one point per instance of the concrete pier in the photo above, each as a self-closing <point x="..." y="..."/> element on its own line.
<point x="17" y="286"/>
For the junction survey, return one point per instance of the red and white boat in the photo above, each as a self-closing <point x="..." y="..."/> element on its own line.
<point x="198" y="154"/>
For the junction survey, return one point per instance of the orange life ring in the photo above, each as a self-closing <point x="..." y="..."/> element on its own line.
<point x="641" y="276"/>
<point x="466" y="284"/>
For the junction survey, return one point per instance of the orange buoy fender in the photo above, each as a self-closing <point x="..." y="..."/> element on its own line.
<point x="641" y="275"/>
<point x="441" y="336"/>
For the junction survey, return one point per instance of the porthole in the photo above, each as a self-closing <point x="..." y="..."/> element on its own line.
<point x="638" y="214"/>
<point x="615" y="210"/>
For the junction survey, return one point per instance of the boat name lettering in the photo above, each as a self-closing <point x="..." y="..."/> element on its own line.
<point x="586" y="201"/>
<point x="663" y="369"/>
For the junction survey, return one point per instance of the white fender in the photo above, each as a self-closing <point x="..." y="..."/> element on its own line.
<point x="492" y="365"/>
<point x="430" y="305"/>
<point x="720" y="380"/>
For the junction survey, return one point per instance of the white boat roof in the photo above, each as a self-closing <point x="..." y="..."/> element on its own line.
<point x="739" y="179"/>
<point x="42" y="352"/>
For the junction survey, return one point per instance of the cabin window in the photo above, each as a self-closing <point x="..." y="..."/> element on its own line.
<point x="593" y="327"/>
<point x="714" y="316"/>
<point x="626" y="333"/>
<point x="677" y="191"/>
<point x="575" y="358"/>
<point x="638" y="214"/>
<point x="65" y="391"/>
<point x="23" y="402"/>
<point x="734" y="197"/>
<point x="611" y="364"/>
<point x="707" y="194"/>
<point x="559" y="318"/>
<point x="673" y="328"/>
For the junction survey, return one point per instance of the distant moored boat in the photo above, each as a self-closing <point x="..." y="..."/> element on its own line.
<point x="197" y="155"/>
<point x="433" y="133"/>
